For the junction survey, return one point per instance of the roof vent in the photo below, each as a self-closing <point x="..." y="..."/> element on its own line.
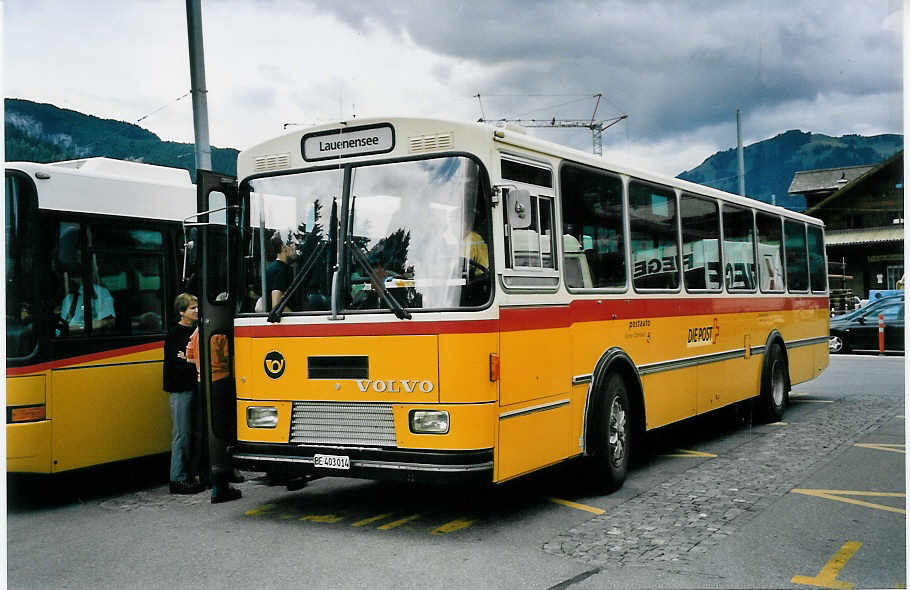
<point x="272" y="162"/>
<point x="431" y="143"/>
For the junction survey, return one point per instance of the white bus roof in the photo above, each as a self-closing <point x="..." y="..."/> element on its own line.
<point x="107" y="186"/>
<point x="419" y="136"/>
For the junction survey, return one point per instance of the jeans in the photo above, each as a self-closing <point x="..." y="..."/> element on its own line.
<point x="186" y="441"/>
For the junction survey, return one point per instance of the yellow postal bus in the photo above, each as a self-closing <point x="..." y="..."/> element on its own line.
<point x="469" y="301"/>
<point x="92" y="260"/>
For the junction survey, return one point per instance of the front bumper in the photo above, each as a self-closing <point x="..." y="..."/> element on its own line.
<point x="284" y="462"/>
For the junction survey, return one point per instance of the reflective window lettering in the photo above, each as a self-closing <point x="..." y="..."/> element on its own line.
<point x="654" y="266"/>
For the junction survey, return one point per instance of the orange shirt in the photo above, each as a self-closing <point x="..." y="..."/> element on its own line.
<point x="219" y="355"/>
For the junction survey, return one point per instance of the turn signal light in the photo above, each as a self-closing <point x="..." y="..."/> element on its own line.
<point x="26" y="414"/>
<point x="494" y="367"/>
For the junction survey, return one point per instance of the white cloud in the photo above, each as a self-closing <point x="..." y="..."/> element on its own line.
<point x="678" y="69"/>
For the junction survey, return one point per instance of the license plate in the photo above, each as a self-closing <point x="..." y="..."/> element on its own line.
<point x="332" y="461"/>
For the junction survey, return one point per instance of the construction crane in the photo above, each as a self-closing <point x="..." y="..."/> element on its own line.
<point x="597" y="126"/>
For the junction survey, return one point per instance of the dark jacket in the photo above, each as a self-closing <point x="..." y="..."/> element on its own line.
<point x="179" y="375"/>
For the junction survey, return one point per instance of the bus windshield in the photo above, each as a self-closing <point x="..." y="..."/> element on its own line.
<point x="418" y="232"/>
<point x="21" y="338"/>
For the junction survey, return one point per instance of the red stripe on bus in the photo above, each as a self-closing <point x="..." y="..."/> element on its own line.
<point x="591" y="310"/>
<point x="399" y="328"/>
<point x="545" y="317"/>
<point x="534" y="318"/>
<point x="85" y="358"/>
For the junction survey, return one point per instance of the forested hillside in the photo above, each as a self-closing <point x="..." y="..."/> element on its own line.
<point x="771" y="164"/>
<point x="37" y="132"/>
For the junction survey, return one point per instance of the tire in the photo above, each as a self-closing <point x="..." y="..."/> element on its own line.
<point x="837" y="344"/>
<point x="775" y="386"/>
<point x="612" y="436"/>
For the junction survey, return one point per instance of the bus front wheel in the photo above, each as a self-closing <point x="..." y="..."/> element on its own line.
<point x="613" y="430"/>
<point x="773" y="398"/>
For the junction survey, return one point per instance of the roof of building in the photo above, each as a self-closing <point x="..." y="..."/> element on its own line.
<point x="857" y="181"/>
<point x="832" y="179"/>
<point x="865" y="235"/>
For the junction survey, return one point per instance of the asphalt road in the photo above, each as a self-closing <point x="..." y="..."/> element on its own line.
<point x="719" y="502"/>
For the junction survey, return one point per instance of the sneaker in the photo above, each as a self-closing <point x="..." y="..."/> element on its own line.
<point x="185" y="487"/>
<point x="225" y="495"/>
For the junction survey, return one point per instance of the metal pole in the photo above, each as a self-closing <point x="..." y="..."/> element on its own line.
<point x="739" y="153"/>
<point x="197" y="82"/>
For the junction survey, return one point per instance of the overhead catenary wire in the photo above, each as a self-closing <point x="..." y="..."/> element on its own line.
<point x="142" y="118"/>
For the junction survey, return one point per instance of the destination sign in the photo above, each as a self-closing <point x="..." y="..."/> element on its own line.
<point x="344" y="143"/>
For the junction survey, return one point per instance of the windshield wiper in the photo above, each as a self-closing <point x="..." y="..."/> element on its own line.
<point x="400" y="312"/>
<point x="275" y="314"/>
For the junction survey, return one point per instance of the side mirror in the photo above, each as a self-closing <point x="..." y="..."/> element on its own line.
<point x="519" y="208"/>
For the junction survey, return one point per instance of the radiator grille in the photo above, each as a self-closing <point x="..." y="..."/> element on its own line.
<point x="343" y="423"/>
<point x="429" y="143"/>
<point x="272" y="162"/>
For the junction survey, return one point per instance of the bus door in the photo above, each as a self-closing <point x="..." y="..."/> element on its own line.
<point x="218" y="221"/>
<point x="534" y="342"/>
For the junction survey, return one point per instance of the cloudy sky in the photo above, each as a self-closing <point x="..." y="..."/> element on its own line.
<point x="678" y="69"/>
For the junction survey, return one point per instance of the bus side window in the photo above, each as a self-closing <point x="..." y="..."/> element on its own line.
<point x="69" y="309"/>
<point x="818" y="274"/>
<point x="652" y="220"/>
<point x="128" y="264"/>
<point x="770" y="253"/>
<point x="533" y="246"/>
<point x="592" y="229"/>
<point x="701" y="243"/>
<point x="797" y="259"/>
<point x="739" y="250"/>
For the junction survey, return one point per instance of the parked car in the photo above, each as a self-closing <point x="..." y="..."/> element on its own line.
<point x="858" y="331"/>
<point x="872" y="304"/>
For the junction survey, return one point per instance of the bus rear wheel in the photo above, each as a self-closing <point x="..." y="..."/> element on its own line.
<point x="774" y="390"/>
<point x="613" y="435"/>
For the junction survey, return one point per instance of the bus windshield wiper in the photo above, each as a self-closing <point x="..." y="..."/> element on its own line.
<point x="400" y="312"/>
<point x="275" y="314"/>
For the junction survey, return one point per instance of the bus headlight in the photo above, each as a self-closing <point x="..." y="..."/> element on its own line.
<point x="429" y="421"/>
<point x="262" y="417"/>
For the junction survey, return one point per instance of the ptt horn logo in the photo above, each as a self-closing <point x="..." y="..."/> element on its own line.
<point x="274" y="364"/>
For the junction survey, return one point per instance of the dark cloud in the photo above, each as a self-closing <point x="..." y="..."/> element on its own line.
<point x="672" y="66"/>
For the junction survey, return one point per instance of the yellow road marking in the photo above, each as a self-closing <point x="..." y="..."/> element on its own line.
<point x="259" y="510"/>
<point x="894" y="448"/>
<point x="838" y="496"/>
<point x="455" y="525"/>
<point x="687" y="453"/>
<point x="372" y="519"/>
<point x="778" y="424"/>
<point x="827" y="577"/>
<point x="577" y="506"/>
<point x="329" y="518"/>
<point x="399" y="522"/>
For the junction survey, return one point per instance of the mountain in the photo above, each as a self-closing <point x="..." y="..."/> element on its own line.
<point x="37" y="132"/>
<point x="771" y="164"/>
